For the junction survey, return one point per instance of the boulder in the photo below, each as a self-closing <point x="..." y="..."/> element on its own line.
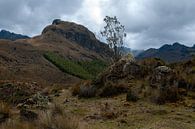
<point x="56" y="21"/>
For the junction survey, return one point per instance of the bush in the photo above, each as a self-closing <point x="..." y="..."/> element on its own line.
<point x="111" y="89"/>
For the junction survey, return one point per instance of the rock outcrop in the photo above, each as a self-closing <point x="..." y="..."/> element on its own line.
<point x="78" y="34"/>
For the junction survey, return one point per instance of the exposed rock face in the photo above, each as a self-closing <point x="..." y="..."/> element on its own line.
<point x="124" y="68"/>
<point x="56" y="22"/>
<point x="117" y="78"/>
<point x="78" y="34"/>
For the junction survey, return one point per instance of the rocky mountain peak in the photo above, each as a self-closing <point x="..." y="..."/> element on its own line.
<point x="75" y="33"/>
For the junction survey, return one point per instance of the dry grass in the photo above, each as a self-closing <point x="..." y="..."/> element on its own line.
<point x="4" y="108"/>
<point x="14" y="124"/>
<point x="84" y="89"/>
<point x="54" y="118"/>
<point x="48" y="120"/>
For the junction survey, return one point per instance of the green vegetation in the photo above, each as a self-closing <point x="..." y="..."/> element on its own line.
<point x="84" y="70"/>
<point x="94" y="67"/>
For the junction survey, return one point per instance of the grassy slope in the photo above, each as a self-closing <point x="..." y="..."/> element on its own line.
<point x="84" y="70"/>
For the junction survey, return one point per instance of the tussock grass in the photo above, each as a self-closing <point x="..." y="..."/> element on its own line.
<point x="4" y="108"/>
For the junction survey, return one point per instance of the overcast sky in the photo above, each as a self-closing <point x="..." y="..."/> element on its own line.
<point x="148" y="23"/>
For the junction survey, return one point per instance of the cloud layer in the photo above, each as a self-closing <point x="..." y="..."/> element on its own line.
<point x="149" y="23"/>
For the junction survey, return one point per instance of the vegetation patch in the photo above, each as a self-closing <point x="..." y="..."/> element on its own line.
<point x="82" y="69"/>
<point x="94" y="67"/>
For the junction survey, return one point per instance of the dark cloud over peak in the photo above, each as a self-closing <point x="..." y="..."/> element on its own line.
<point x="149" y="23"/>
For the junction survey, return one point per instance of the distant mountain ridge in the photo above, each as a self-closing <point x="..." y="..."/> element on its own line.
<point x="169" y="53"/>
<point x="4" y="34"/>
<point x="127" y="50"/>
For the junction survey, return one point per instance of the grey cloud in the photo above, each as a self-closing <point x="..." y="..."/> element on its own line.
<point x="30" y="16"/>
<point x="149" y="23"/>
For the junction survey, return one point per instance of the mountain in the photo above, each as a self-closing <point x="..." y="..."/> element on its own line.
<point x="24" y="60"/>
<point x="169" y="53"/>
<point x="71" y="40"/>
<point x="11" y="36"/>
<point x="127" y="50"/>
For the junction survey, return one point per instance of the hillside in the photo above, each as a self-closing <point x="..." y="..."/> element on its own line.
<point x="11" y="36"/>
<point x="24" y="59"/>
<point x="169" y="53"/>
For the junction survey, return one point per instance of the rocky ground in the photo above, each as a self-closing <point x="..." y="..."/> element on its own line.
<point x="112" y="112"/>
<point x="117" y="113"/>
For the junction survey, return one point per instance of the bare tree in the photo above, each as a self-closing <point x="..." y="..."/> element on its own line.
<point x="114" y="33"/>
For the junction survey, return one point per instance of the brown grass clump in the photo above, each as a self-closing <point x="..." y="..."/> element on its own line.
<point x="4" y="108"/>
<point x="57" y="109"/>
<point x="12" y="124"/>
<point x="84" y="89"/>
<point x="4" y="111"/>
<point x="48" y="120"/>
